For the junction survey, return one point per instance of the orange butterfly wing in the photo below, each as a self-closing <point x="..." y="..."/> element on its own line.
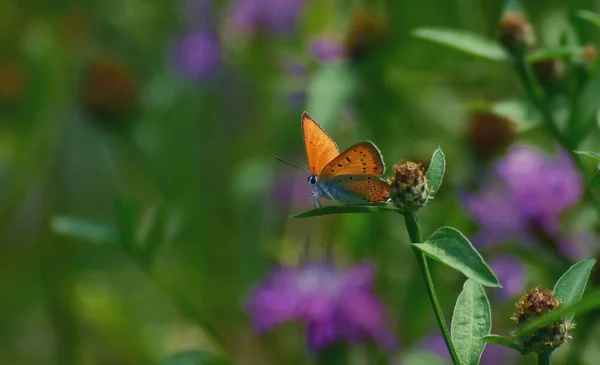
<point x="371" y="189"/>
<point x="320" y="148"/>
<point x="362" y="158"/>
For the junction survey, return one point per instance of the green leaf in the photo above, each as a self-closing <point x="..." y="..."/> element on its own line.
<point x="464" y="41"/>
<point x="435" y="172"/>
<point x="345" y="209"/>
<point x="551" y="53"/>
<point x="472" y="319"/>
<point x="450" y="247"/>
<point x="590" y="17"/>
<point x="329" y="90"/>
<point x="570" y="287"/>
<point x="588" y="303"/>
<point x="194" y="357"/>
<point x="503" y="341"/>
<point x="85" y="229"/>
<point x="595" y="181"/>
<point x="589" y="154"/>
<point x="585" y="109"/>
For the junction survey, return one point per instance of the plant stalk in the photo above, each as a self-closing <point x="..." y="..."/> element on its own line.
<point x="414" y="233"/>
<point x="544" y="358"/>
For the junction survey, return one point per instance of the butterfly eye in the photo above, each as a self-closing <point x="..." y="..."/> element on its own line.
<point x="312" y="179"/>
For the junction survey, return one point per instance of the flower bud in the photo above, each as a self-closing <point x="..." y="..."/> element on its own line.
<point x="537" y="303"/>
<point x="516" y="33"/>
<point x="110" y="93"/>
<point x="489" y="133"/>
<point x="550" y="73"/>
<point x="365" y="33"/>
<point x="12" y="84"/>
<point x="409" y="188"/>
<point x="590" y="55"/>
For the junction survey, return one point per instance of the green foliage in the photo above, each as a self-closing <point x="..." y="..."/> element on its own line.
<point x="84" y="229"/>
<point x="464" y="41"/>
<point x="194" y="357"/>
<point x="435" y="172"/>
<point x="452" y="248"/>
<point x="503" y="341"/>
<point x="346" y="209"/>
<point x="329" y="91"/>
<point x="591" y="17"/>
<point x="472" y="319"/>
<point x="571" y="285"/>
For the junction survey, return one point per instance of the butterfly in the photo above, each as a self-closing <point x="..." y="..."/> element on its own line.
<point x="351" y="177"/>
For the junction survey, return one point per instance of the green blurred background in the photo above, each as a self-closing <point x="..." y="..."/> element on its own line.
<point x="140" y="204"/>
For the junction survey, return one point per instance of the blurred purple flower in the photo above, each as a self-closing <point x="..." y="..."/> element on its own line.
<point x="527" y="197"/>
<point x="278" y="16"/>
<point x="492" y="354"/>
<point x="511" y="275"/>
<point x="327" y="50"/>
<point x="333" y="305"/>
<point x="196" y="54"/>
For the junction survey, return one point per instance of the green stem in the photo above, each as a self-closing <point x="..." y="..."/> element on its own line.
<point x="544" y="358"/>
<point x="536" y="95"/>
<point x="414" y="232"/>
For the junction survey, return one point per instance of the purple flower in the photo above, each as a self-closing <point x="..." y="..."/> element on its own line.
<point x="525" y="200"/>
<point x="333" y="305"/>
<point x="327" y="50"/>
<point x="511" y="275"/>
<point x="492" y="354"/>
<point x="196" y="54"/>
<point x="278" y="16"/>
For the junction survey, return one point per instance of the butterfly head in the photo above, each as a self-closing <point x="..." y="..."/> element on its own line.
<point x="312" y="180"/>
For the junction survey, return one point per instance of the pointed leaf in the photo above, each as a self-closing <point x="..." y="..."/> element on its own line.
<point x="585" y="109"/>
<point x="435" y="172"/>
<point x="464" y="41"/>
<point x="551" y="53"/>
<point x="472" y="319"/>
<point x="85" y="229"/>
<point x="450" y="247"/>
<point x="194" y="357"/>
<point x="589" y="154"/>
<point x="590" y="17"/>
<point x="570" y="287"/>
<point x="512" y="6"/>
<point x="345" y="209"/>
<point x="503" y="341"/>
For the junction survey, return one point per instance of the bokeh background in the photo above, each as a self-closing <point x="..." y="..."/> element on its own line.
<point x="141" y="203"/>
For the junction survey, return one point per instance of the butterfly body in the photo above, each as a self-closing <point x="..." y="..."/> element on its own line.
<point x="351" y="177"/>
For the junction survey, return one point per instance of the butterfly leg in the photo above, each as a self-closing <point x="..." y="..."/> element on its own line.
<point x="314" y="199"/>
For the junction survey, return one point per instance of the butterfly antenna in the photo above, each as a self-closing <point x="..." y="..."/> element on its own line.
<point x="291" y="164"/>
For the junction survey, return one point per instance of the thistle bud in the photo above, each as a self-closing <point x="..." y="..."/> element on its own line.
<point x="550" y="73"/>
<point x="12" y="84"/>
<point x="537" y="303"/>
<point x="516" y="33"/>
<point x="489" y="133"/>
<point x="365" y="33"/>
<point x="590" y="55"/>
<point x="110" y="93"/>
<point x="409" y="188"/>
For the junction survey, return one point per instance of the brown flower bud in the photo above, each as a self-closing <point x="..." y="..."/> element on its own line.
<point x="12" y="84"/>
<point x="365" y="33"/>
<point x="550" y="73"/>
<point x="531" y="305"/>
<point x="489" y="133"/>
<point x="109" y="90"/>
<point x="409" y="188"/>
<point x="516" y="33"/>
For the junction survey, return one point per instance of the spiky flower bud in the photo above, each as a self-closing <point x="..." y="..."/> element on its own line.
<point x="590" y="54"/>
<point x="409" y="188"/>
<point x="550" y="73"/>
<point x="489" y="133"/>
<point x="531" y="305"/>
<point x="516" y="33"/>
